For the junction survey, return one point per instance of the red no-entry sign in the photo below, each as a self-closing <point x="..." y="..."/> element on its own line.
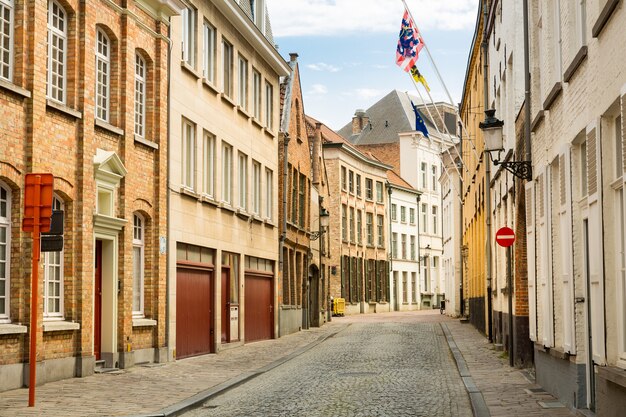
<point x="505" y="236"/>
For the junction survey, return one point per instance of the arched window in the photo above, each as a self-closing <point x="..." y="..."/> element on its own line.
<point x="138" y="264"/>
<point x="57" y="51"/>
<point x="140" y="96"/>
<point x="53" y="277"/>
<point x="6" y="39"/>
<point x="103" y="75"/>
<point x="5" y="250"/>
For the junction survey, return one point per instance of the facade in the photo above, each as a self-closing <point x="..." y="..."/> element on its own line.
<point x="223" y="229"/>
<point x="575" y="203"/>
<point x="387" y="130"/>
<point x="404" y="281"/>
<point x="89" y="105"/>
<point x="358" y="242"/>
<point x="506" y="71"/>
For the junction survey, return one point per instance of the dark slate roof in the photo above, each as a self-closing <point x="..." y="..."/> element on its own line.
<point x="388" y="117"/>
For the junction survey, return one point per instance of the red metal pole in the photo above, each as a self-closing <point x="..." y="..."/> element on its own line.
<point x="34" y="301"/>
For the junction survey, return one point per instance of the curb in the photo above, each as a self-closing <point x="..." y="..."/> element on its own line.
<point x="479" y="407"/>
<point x="195" y="400"/>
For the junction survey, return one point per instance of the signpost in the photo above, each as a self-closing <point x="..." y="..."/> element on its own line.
<point x="505" y="237"/>
<point x="38" y="192"/>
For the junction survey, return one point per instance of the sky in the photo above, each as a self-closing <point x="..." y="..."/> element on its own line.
<point x="347" y="50"/>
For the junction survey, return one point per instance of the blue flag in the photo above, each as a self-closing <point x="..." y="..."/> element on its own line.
<point x="420" y="126"/>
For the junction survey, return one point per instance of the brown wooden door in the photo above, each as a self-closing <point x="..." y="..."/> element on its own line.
<point x="259" y="311"/>
<point x="194" y="312"/>
<point x="97" y="306"/>
<point x="225" y="304"/>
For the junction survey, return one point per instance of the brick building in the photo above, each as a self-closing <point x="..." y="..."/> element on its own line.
<point x="223" y="230"/>
<point x="83" y="95"/>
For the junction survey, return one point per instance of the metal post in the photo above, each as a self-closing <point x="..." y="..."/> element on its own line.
<point x="509" y="272"/>
<point x="34" y="300"/>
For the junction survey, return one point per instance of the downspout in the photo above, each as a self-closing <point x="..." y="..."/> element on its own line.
<point x="419" y="259"/>
<point x="485" y="48"/>
<point x="389" y="191"/>
<point x="461" y="300"/>
<point x="283" y="234"/>
<point x="168" y="275"/>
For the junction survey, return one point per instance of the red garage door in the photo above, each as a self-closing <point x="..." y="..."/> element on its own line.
<point x="259" y="312"/>
<point x="194" y="312"/>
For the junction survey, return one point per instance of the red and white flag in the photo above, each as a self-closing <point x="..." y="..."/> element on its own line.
<point x="410" y="43"/>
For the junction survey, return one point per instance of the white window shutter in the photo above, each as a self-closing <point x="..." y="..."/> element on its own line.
<point x="530" y="259"/>
<point x="565" y="231"/>
<point x="547" y="299"/>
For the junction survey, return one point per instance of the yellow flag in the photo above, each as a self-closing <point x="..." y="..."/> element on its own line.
<point x="419" y="78"/>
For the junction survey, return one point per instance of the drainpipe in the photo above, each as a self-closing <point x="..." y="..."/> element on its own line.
<point x="283" y="234"/>
<point x="461" y="300"/>
<point x="389" y="191"/>
<point x="485" y="48"/>
<point x="168" y="275"/>
<point x="419" y="259"/>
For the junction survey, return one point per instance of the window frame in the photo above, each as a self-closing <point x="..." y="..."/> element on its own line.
<point x="227" y="67"/>
<point x="5" y="222"/>
<point x="140" y="95"/>
<point x="102" y="102"/>
<point x="243" y="79"/>
<point x="403" y="214"/>
<point x="379" y="192"/>
<point x="242" y="180"/>
<point x="411" y="215"/>
<point x="256" y="188"/>
<point x="359" y="227"/>
<point x="8" y="65"/>
<point x="435" y="215"/>
<point x="269" y="105"/>
<point x="209" y="48"/>
<point x="344" y="222"/>
<point x="269" y="191"/>
<point x="208" y="164"/>
<point x="57" y="204"/>
<point x="394" y="212"/>
<point x="358" y="185"/>
<point x="369" y="189"/>
<point x="139" y="243"/>
<point x="380" y="230"/>
<point x="369" y="226"/>
<point x="189" y="23"/>
<point x="59" y="89"/>
<point x="227" y="174"/>
<point x="188" y="164"/>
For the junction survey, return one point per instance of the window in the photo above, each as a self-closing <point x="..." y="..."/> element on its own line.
<point x="412" y="215"/>
<point x="344" y="222"/>
<point x="243" y="181"/>
<point x="140" y="96"/>
<point x="352" y="224"/>
<point x="189" y="35"/>
<point x="344" y="181"/>
<point x="424" y="218"/>
<point x="435" y="222"/>
<point x="208" y="165"/>
<point x="294" y="195"/>
<point x="434" y="178"/>
<point x="394" y="245"/>
<point x="189" y="154"/>
<point x="208" y="53"/>
<point x="404" y="287"/>
<point x="103" y="75"/>
<point x="581" y="21"/>
<point x="269" y="193"/>
<point x="6" y="39"/>
<point x="227" y="173"/>
<point x="369" y="225"/>
<point x="403" y="214"/>
<point x="381" y="235"/>
<point x="269" y="105"/>
<point x="394" y="210"/>
<point x="403" y="246"/>
<point x="583" y="169"/>
<point x="368" y="189"/>
<point x="414" y="286"/>
<point x="359" y="227"/>
<point x="619" y="156"/>
<point x="379" y="191"/>
<point x="53" y="277"/>
<point x="227" y="68"/>
<point x="301" y="200"/>
<point x="256" y="188"/>
<point x="138" y="265"/>
<point x="412" y="248"/>
<point x="423" y="168"/>
<point x="57" y="51"/>
<point x="256" y="94"/>
<point x="243" y="83"/>
<point x="5" y="250"/>
<point x="351" y="181"/>
<point x="358" y="185"/>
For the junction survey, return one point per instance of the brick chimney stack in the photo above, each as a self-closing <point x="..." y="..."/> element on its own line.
<point x="359" y="121"/>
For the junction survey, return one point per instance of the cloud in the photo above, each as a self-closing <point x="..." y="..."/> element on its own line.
<point x="321" y="66"/>
<point x="318" y="89"/>
<point x="343" y="17"/>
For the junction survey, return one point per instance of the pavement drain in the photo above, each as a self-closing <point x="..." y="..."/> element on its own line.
<point x="551" y="404"/>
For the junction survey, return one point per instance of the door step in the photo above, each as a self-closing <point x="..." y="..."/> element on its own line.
<point x="102" y="369"/>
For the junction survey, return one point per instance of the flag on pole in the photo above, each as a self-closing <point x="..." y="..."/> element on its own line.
<point x="420" y="126"/>
<point x="409" y="44"/>
<point x="417" y="76"/>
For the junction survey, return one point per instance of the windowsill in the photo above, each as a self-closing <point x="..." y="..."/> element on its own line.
<point x="143" y="322"/>
<point x="147" y="142"/>
<point x="228" y="100"/>
<point x="62" y="108"/>
<point x="256" y="218"/>
<point x="269" y="223"/>
<point x="191" y="70"/>
<point x="188" y="192"/>
<point x="226" y="206"/>
<point x="554" y="93"/>
<point x="210" y="200"/>
<point x="243" y="112"/>
<point x="9" y="86"/>
<point x="604" y="17"/>
<point x="370" y="246"/>
<point x="269" y="133"/>
<point x="109" y="127"/>
<point x="242" y="214"/>
<point x="537" y="120"/>
<point x="60" y="326"/>
<point x="575" y="64"/>
<point x="10" y="328"/>
<point x="208" y="84"/>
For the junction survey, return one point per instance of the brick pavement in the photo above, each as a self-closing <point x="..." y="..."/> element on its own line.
<point x="143" y="390"/>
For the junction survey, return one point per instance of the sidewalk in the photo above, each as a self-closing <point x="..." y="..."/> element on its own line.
<point x="148" y="390"/>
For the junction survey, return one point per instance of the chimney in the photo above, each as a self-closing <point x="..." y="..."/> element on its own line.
<point x="359" y="121"/>
<point x="293" y="56"/>
<point x="315" y="155"/>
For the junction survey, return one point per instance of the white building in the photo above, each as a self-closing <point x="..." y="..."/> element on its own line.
<point x="404" y="280"/>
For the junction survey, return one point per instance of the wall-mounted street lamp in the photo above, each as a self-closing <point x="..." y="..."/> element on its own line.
<point x="492" y="133"/>
<point x="324" y="221"/>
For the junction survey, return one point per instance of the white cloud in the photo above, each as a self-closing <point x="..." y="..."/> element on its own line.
<point x="318" y="89"/>
<point x="321" y="66"/>
<point x="340" y="17"/>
